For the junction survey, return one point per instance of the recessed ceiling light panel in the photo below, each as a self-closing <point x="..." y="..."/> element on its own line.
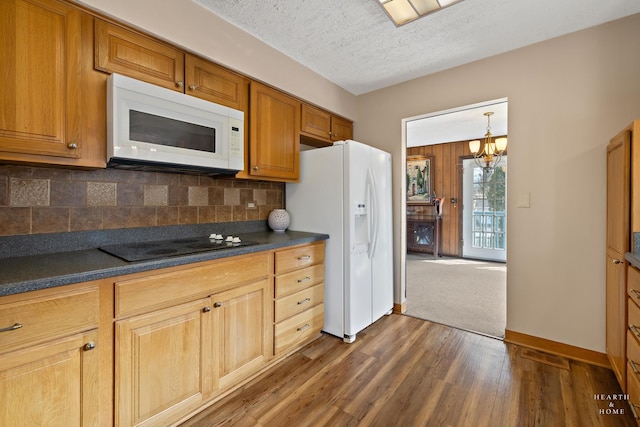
<point x="404" y="11"/>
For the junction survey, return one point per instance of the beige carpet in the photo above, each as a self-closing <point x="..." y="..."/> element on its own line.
<point x="465" y="294"/>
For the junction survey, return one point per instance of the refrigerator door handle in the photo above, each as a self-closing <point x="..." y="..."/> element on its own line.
<point x="373" y="212"/>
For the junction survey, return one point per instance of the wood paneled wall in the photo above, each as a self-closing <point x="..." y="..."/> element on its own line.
<point x="447" y="183"/>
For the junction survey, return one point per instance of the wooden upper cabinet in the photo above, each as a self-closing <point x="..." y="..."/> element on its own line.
<point x="215" y="83"/>
<point x="46" y="102"/>
<point x="123" y="51"/>
<point x="274" y="143"/>
<point x="341" y="129"/>
<point x="320" y="128"/>
<point x="316" y="123"/>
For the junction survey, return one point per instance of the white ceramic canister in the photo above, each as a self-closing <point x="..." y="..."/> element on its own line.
<point x="279" y="220"/>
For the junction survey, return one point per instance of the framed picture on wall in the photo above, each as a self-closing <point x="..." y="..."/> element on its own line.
<point x="419" y="179"/>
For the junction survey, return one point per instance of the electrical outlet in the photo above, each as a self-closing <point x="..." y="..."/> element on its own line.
<point x="252" y="205"/>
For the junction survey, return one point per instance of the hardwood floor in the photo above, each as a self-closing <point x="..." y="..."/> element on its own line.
<point x="403" y="371"/>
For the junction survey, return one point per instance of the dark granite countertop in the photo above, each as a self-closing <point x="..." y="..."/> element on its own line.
<point x="47" y="270"/>
<point x="633" y="259"/>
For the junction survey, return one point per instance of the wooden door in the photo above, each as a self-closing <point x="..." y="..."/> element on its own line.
<point x="242" y="330"/>
<point x="618" y="195"/>
<point x="41" y="50"/>
<point x="341" y="129"/>
<point x="119" y="50"/>
<point x="214" y="83"/>
<point x="274" y="144"/>
<point x="164" y="364"/>
<point x="52" y="384"/>
<point x="315" y="123"/>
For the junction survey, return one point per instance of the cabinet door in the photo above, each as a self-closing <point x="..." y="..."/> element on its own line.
<point x="118" y="50"/>
<point x="214" y="83"/>
<point x="274" y="144"/>
<point x="341" y="129"/>
<point x="41" y="50"/>
<point x="242" y="330"/>
<point x="618" y="195"/>
<point x="163" y="364"/>
<point x="315" y="123"/>
<point x="53" y="384"/>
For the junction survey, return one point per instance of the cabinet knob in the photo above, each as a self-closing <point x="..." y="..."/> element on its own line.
<point x="192" y="87"/>
<point x="255" y="168"/>
<point x="217" y="304"/>
<point x="206" y="309"/>
<point x="617" y="261"/>
<point x="179" y="84"/>
<point x="89" y="346"/>
<point x="72" y="145"/>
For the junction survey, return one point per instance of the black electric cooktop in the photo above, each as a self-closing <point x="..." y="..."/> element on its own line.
<point x="144" y="251"/>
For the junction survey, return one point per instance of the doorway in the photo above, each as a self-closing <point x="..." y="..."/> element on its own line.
<point x="466" y="286"/>
<point x="484" y="212"/>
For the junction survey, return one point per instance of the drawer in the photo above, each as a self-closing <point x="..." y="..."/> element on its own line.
<point x="298" y="302"/>
<point x="633" y="312"/>
<point x="633" y="284"/>
<point x="154" y="291"/>
<point x="633" y="390"/>
<point x="299" y="257"/>
<point x="295" y="330"/>
<point x="49" y="317"/>
<point x="633" y="349"/>
<point x="299" y="279"/>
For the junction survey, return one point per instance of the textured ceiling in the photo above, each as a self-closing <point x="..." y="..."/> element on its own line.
<point x="353" y="44"/>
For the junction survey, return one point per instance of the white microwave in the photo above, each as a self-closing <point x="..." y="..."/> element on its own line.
<point x="153" y="128"/>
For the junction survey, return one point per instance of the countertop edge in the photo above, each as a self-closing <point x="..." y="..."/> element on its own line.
<point x="100" y="265"/>
<point x="633" y="259"/>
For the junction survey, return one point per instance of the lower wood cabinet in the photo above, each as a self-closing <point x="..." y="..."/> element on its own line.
<point x="153" y="348"/>
<point x="172" y="356"/>
<point x="52" y="384"/>
<point x="164" y="364"/>
<point x="50" y="358"/>
<point x="299" y="296"/>
<point x="241" y="331"/>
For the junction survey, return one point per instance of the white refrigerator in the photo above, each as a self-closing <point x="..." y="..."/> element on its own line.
<point x="345" y="192"/>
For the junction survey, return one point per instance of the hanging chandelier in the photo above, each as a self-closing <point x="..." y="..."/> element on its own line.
<point x="492" y="150"/>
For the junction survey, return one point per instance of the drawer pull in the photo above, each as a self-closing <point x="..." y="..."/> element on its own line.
<point x="89" y="346"/>
<point x="303" y="327"/>
<point x="636" y="293"/>
<point x="304" y="257"/>
<point x="635" y="331"/>
<point x="634" y="367"/>
<point x="304" y="300"/>
<point x="633" y="410"/>
<point x="12" y="327"/>
<point x="304" y="279"/>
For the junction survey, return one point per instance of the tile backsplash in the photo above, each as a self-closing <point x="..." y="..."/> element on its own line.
<point x="35" y="200"/>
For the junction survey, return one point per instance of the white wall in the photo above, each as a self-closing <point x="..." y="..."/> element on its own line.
<point x="567" y="97"/>
<point x="185" y="23"/>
